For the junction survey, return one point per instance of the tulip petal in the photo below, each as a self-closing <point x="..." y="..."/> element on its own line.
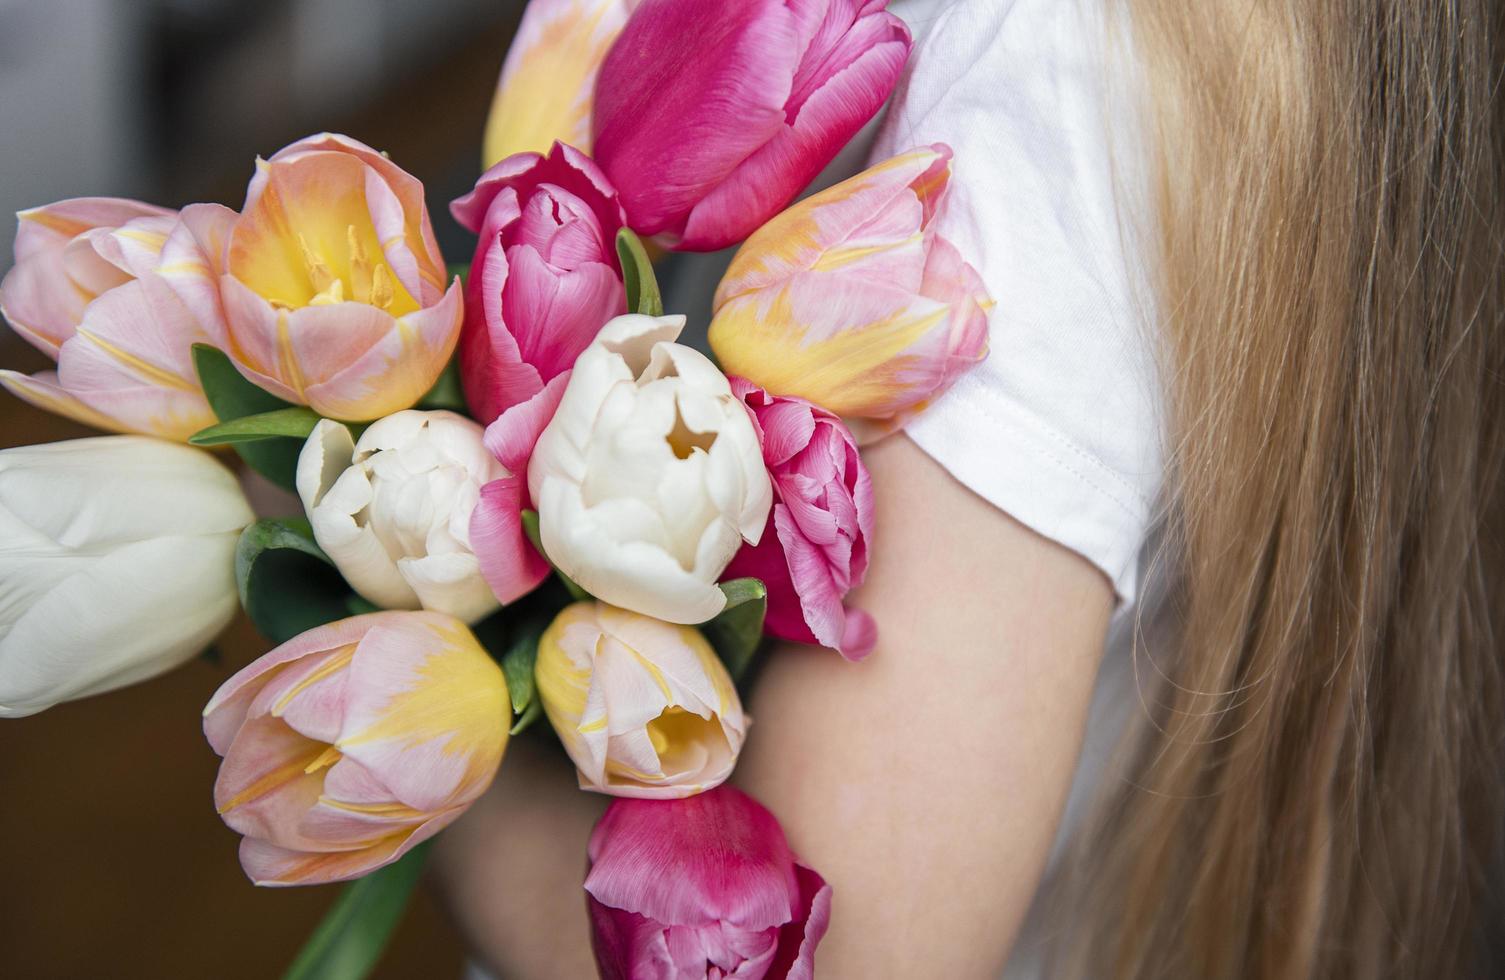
<point x="797" y="939"/>
<point x="40" y="303"/>
<point x="411" y="677"/>
<point x="92" y="647"/>
<point x="131" y="359"/>
<point x="268" y="865"/>
<point x="510" y="564"/>
<point x="557" y="314"/>
<point x="450" y="583"/>
<point x="267" y="782"/>
<point x="718" y="856"/>
<point x="743" y="58"/>
<point x="192" y="262"/>
<point x="43" y="391"/>
<point x="548" y="81"/>
<point x="858" y="77"/>
<point x="228" y="709"/>
<point x="397" y="369"/>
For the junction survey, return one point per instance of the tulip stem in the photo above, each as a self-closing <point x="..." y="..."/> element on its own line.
<point x="355" y="931"/>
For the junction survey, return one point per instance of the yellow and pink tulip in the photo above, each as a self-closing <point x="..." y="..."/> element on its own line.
<point x="643" y="707"/>
<point x="548" y="83"/>
<point x="852" y="301"/>
<point x="349" y="745"/>
<point x="332" y="286"/>
<point x="84" y="290"/>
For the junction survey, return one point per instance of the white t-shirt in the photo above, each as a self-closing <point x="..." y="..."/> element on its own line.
<point x="1060" y="427"/>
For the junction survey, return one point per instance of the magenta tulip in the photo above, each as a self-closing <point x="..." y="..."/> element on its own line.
<point x="545" y="275"/>
<point x="711" y="117"/>
<point x="702" y="887"/>
<point x="815" y="548"/>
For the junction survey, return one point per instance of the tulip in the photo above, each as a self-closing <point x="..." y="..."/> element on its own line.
<point x="393" y="510"/>
<point x="815" y="548"/>
<point x="85" y="292"/>
<point x="116" y="564"/>
<point x="649" y="477"/>
<point x="545" y="275"/>
<point x="347" y="746"/>
<point x="643" y="707"/>
<point x="711" y="117"/>
<point x="332" y="285"/>
<point x="851" y="300"/>
<point x="701" y="887"/>
<point x="549" y="79"/>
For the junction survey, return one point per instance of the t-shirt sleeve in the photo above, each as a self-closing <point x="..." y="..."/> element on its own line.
<point x="1059" y="426"/>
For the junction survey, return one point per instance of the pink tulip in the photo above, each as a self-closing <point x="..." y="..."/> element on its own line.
<point x="852" y="300"/>
<point x="349" y="745"/>
<point x="702" y="887"/>
<point x="711" y="117"/>
<point x="815" y="548"/>
<point x="509" y="562"/>
<point x="332" y="285"/>
<point x="545" y="275"/>
<point x="85" y="291"/>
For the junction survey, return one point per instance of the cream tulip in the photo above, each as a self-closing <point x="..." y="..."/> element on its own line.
<point x="116" y="564"/>
<point x="393" y="510"/>
<point x="644" y="707"/>
<point x="650" y="476"/>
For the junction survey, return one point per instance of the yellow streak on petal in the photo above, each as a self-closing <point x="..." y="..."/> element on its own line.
<point x="857" y="371"/>
<point x="398" y="811"/>
<point x="160" y="377"/>
<point x="152" y="240"/>
<point x="289" y="370"/>
<point x="67" y="227"/>
<point x="590" y="728"/>
<point x="338" y="662"/>
<point x="654" y="672"/>
<point x="274" y="778"/>
<point x="330" y="757"/>
<point x="837" y="258"/>
<point x="59" y="402"/>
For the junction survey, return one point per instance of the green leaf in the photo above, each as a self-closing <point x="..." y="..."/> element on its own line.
<point x="637" y="275"/>
<point x="233" y="397"/>
<point x="287" y="585"/>
<point x="530" y="528"/>
<point x="518" y="660"/>
<point x="461" y="269"/>
<point x="295" y="421"/>
<point x="737" y="632"/>
<point x="447" y="392"/>
<point x="355" y="931"/>
<point x="528" y="717"/>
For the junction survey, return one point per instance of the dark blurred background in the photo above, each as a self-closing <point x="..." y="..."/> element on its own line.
<point x="115" y="864"/>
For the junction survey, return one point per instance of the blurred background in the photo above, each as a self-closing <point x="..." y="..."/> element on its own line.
<point x="115" y="863"/>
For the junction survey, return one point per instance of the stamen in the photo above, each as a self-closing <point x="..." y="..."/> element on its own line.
<point x="319" y="275"/>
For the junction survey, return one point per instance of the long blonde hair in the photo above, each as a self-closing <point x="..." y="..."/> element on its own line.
<point x="1317" y="787"/>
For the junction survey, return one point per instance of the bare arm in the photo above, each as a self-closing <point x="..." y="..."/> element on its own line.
<point x="924" y="784"/>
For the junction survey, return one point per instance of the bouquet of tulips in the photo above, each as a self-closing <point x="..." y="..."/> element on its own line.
<point x="521" y="497"/>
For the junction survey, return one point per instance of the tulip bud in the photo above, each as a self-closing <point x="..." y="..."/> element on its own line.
<point x="393" y="510"/>
<point x="116" y="564"/>
<point x="548" y="82"/>
<point x="347" y="746"/>
<point x="815" y="548"/>
<point x="850" y="299"/>
<point x="643" y="707"/>
<point x="701" y="887"/>
<point x="545" y="275"/>
<point x="85" y="291"/>
<point x="332" y="285"/>
<point x="649" y="477"/>
<point x="711" y="117"/>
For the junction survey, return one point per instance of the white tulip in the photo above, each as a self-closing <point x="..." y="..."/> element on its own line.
<point x="117" y="563"/>
<point x="650" y="476"/>
<point x="392" y="511"/>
